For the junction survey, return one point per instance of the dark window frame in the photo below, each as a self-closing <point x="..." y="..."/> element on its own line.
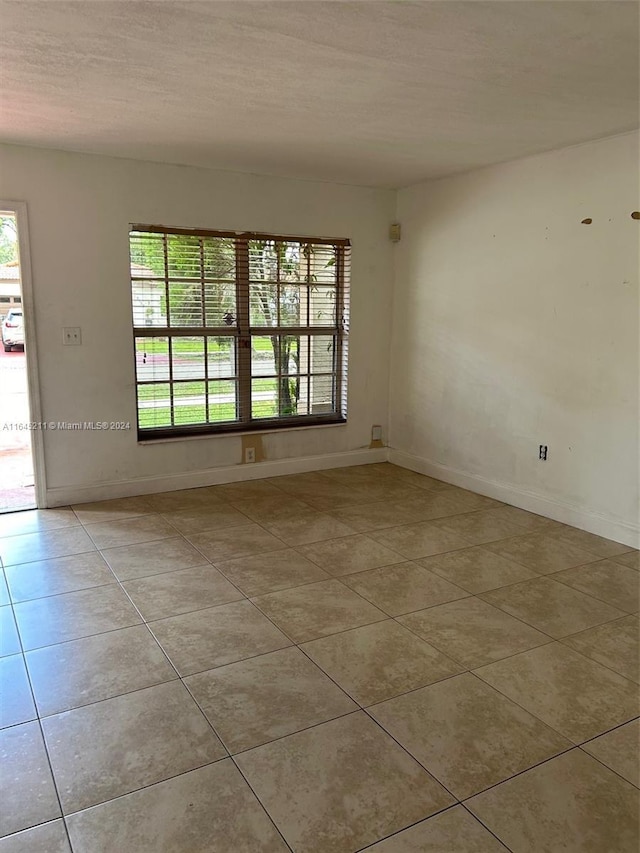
<point x="242" y="333"/>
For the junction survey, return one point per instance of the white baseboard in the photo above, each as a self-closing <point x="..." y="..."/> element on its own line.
<point x="601" y="525"/>
<point x="593" y="522"/>
<point x="64" y="495"/>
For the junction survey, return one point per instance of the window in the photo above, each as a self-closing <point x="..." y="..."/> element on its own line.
<point x="236" y="332"/>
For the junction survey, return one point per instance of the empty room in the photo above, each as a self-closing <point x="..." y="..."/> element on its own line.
<point x="319" y="421"/>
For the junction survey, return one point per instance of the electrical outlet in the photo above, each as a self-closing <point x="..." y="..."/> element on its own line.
<point x="542" y="452"/>
<point x="72" y="336"/>
<point x="376" y="436"/>
<point x="249" y="454"/>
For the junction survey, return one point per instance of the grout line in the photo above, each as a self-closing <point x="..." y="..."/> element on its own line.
<point x="399" y="832"/>
<point x="298" y="646"/>
<point x="619" y="615"/>
<point x="144" y="787"/>
<point x="91" y="550"/>
<point x="531" y="712"/>
<point x="262" y="805"/>
<point x="45" y="746"/>
<point x="64" y="592"/>
<point x="572" y="748"/>
<point x="599" y="760"/>
<point x="40" y="531"/>
<point x="554" y="576"/>
<point x="593" y="660"/>
<point x="488" y="829"/>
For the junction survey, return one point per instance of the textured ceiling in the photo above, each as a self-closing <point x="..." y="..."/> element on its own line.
<point x="374" y="93"/>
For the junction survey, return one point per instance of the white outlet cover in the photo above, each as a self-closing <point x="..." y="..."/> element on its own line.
<point x="72" y="336"/>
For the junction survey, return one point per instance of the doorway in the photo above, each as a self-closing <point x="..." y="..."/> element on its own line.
<point x="17" y="423"/>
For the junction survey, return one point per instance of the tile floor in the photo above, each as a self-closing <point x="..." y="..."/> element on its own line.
<point x="363" y="658"/>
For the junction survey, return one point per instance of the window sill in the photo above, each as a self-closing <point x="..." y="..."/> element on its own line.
<point x="233" y="433"/>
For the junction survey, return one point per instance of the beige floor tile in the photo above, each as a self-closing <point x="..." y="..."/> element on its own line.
<point x="216" y="636"/>
<point x="618" y="585"/>
<point x="205" y="811"/>
<point x="414" y="478"/>
<point x="388" y="468"/>
<point x="465" y="501"/>
<point x="528" y="521"/>
<point x="349" y="554"/>
<point x="614" y="644"/>
<point x="111" y="748"/>
<point x="248" y="489"/>
<point x="46" y="838"/>
<point x="200" y="519"/>
<point x="384" y="489"/>
<point x="333" y="785"/>
<point x="596" y="544"/>
<point x="368" y="517"/>
<point x="372" y="485"/>
<point x="205" y="496"/>
<point x="36" y="520"/>
<point x="75" y="614"/>
<point x="291" y="482"/>
<point x="112" y="510"/>
<point x="146" y="528"/>
<point x="552" y="607"/>
<point x="16" y="701"/>
<point x="91" y="669"/>
<point x="295" y="484"/>
<point x="266" y="510"/>
<point x="481" y="527"/>
<point x="9" y="640"/>
<point x="420" y="540"/>
<point x="312" y="528"/>
<point x="472" y="631"/>
<point x="452" y="831"/>
<point x="152" y="558"/>
<point x="403" y="588"/>
<point x="340" y="786"/>
<point x="467" y="734"/>
<point x="45" y="545"/>
<point x="571" y="803"/>
<point x="476" y="569"/>
<point x="316" y="610"/>
<point x="631" y="559"/>
<point x="267" y="697"/>
<point x="172" y="593"/>
<point x="578" y="698"/>
<point x="335" y="497"/>
<point x="27" y="793"/>
<point x="318" y="491"/>
<point x="241" y="541"/>
<point x="542" y="552"/>
<point x="269" y="572"/>
<point x="428" y="506"/>
<point x="379" y="661"/>
<point x="62" y="574"/>
<point x="619" y="750"/>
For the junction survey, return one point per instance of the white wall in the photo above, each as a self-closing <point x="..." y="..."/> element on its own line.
<point x="79" y="208"/>
<point x="515" y="325"/>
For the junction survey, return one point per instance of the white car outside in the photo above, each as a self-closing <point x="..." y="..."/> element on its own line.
<point x="12" y="330"/>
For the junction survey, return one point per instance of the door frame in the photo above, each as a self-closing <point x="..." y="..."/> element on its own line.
<point x="19" y="210"/>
